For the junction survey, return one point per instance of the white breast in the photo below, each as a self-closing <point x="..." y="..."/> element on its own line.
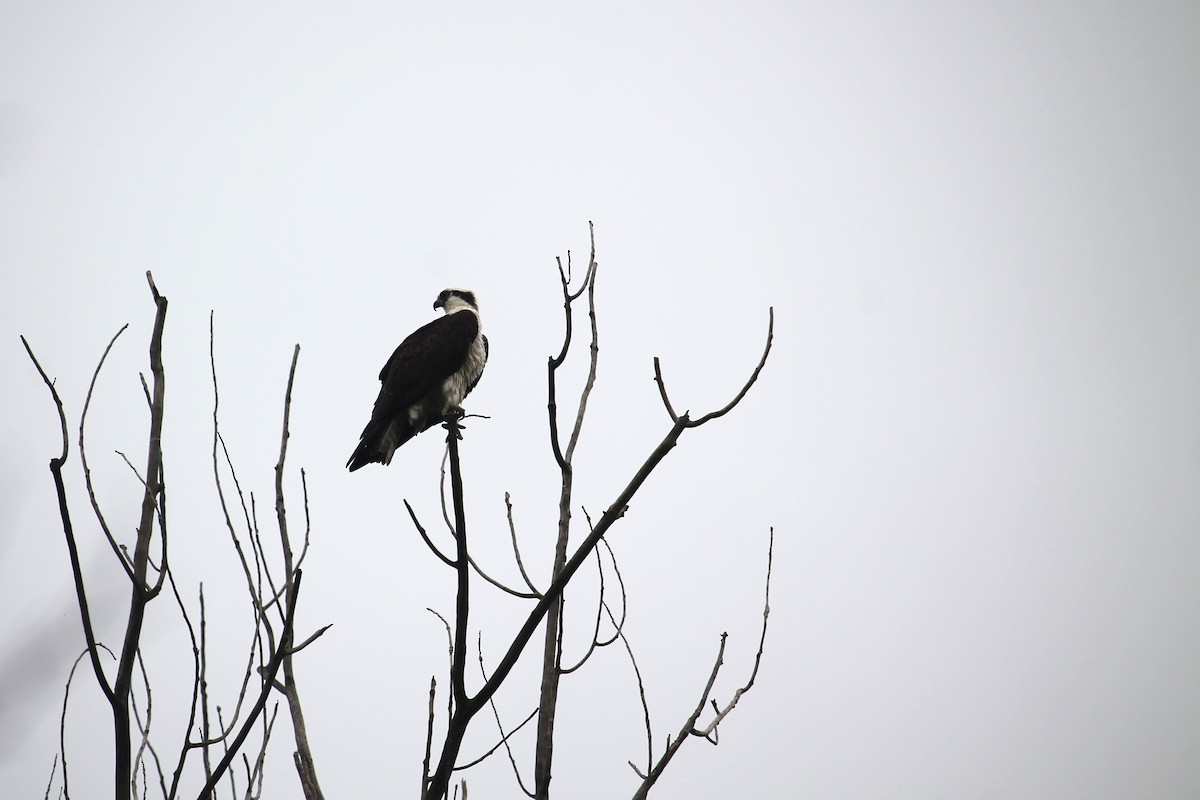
<point x="456" y="387"/>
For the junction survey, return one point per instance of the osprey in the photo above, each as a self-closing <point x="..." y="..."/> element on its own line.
<point x="426" y="378"/>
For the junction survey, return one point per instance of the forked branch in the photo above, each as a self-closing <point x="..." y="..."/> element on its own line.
<point x="708" y="732"/>
<point x="662" y="388"/>
<point x="56" y="465"/>
<point x="268" y="680"/>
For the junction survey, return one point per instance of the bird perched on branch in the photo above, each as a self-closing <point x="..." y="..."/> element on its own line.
<point x="426" y="378"/>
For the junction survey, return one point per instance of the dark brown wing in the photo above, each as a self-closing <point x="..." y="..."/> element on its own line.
<point x="427" y="357"/>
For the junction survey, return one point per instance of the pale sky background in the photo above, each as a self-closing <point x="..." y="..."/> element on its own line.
<point x="978" y="437"/>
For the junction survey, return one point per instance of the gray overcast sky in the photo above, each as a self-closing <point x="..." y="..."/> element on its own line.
<point x="978" y="438"/>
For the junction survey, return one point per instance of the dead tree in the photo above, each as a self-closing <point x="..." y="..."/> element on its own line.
<point x="273" y="593"/>
<point x="148" y="571"/>
<point x="547" y="612"/>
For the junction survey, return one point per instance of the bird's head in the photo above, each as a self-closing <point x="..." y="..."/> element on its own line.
<point x="452" y="300"/>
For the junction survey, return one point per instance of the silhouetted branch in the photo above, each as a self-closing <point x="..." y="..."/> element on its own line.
<point x="662" y="389"/>
<point x="254" y="774"/>
<point x="549" y="605"/>
<point x="319" y="633"/>
<point x="504" y="737"/>
<point x="512" y="529"/>
<point x="142" y="593"/>
<point x="56" y="465"/>
<point x="594" y="642"/>
<point x="449" y="657"/>
<point x="470" y="560"/>
<point x="268" y="679"/>
<point x="502" y="743"/>
<point x="118" y="693"/>
<point x="618" y="625"/>
<point x="144" y="729"/>
<point x="557" y="361"/>
<point x="429" y="734"/>
<point x="307" y="519"/>
<point x="62" y="720"/>
<point x="552" y="642"/>
<point x="54" y="765"/>
<point x="641" y="686"/>
<point x="196" y="687"/>
<point x="708" y="732"/>
<point x="460" y="717"/>
<point x="737" y="695"/>
<point x="458" y="664"/>
<point x="451" y="526"/>
<point x="428" y="542"/>
<point x="87" y="472"/>
<point x="219" y="442"/>
<point x="673" y="746"/>
<point x="305" y="766"/>
<point x="252" y="578"/>
<point x="502" y="587"/>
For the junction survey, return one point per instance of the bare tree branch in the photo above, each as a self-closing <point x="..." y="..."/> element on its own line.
<point x="502" y="743"/>
<point x="709" y="731"/>
<point x="429" y="734"/>
<point x="305" y="765"/>
<point x="466" y="707"/>
<point x="673" y="746"/>
<point x="142" y="593"/>
<point x="593" y="361"/>
<point x="428" y="542"/>
<point x="56" y="465"/>
<point x="196" y="687"/>
<point x="641" y="686"/>
<point x="87" y="472"/>
<point x="268" y="679"/>
<point x="737" y="695"/>
<point x="255" y="774"/>
<point x="462" y="710"/>
<point x="54" y="765"/>
<point x="219" y="443"/>
<point x="449" y="660"/>
<point x="594" y="642"/>
<point x="512" y="529"/>
<point x="118" y="694"/>
<point x="662" y="389"/>
<point x="618" y="625"/>
<point x="552" y="643"/>
<point x="504" y="737"/>
<point x="62" y="720"/>
<point x="502" y="587"/>
<point x="144" y="730"/>
<point x="319" y="633"/>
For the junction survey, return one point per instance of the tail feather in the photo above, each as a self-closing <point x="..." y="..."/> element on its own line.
<point x="378" y="442"/>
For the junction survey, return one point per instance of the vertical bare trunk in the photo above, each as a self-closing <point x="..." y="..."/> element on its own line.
<point x="552" y="652"/>
<point x="305" y="767"/>
<point x="141" y="592"/>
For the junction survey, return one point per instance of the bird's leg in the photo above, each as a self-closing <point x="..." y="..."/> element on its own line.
<point x="452" y="420"/>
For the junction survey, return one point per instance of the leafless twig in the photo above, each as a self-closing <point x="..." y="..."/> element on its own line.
<point x="56" y="465"/>
<point x="268" y="680"/>
<point x="428" y="542"/>
<point x="504" y="737"/>
<point x="54" y="765"/>
<point x="737" y="695"/>
<point x="303" y="758"/>
<point x="662" y="389"/>
<point x="512" y="529"/>
<point x="548" y="607"/>
<point x="87" y="472"/>
<point x="708" y="732"/>
<point x="552" y="642"/>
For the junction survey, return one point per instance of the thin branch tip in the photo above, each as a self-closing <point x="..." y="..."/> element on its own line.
<point x="153" y="288"/>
